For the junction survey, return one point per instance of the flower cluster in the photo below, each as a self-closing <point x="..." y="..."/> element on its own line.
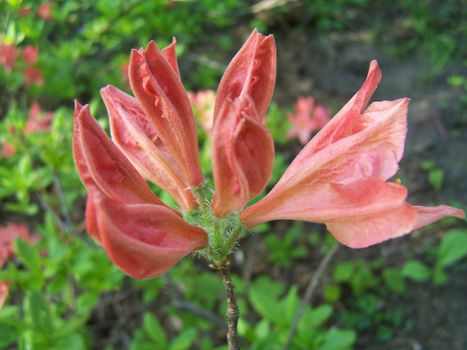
<point x="339" y="178"/>
<point x="307" y="118"/>
<point x="9" y="58"/>
<point x="38" y="121"/>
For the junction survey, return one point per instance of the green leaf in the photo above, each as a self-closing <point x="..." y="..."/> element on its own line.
<point x="343" y="271"/>
<point x="154" y="330"/>
<point x="453" y="247"/>
<point x="264" y="297"/>
<point x="184" y="340"/>
<point x="338" y="339"/>
<point x="71" y="341"/>
<point x="332" y="292"/>
<point x="416" y="271"/>
<point x="28" y="255"/>
<point x="314" y="318"/>
<point x="40" y="313"/>
<point x="394" y="280"/>
<point x="8" y="335"/>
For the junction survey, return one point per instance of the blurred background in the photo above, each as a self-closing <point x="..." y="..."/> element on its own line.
<point x="58" y="288"/>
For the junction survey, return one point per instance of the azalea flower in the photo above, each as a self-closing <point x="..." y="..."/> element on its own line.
<point x="8" y="54"/>
<point x="203" y="106"/>
<point x="340" y="177"/>
<point x="33" y="76"/>
<point x="37" y="120"/>
<point x="45" y="10"/>
<point x="30" y="54"/>
<point x="308" y="117"/>
<point x="8" y="149"/>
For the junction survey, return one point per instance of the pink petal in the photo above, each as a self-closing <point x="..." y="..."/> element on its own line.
<point x="325" y="202"/>
<point x="3" y="293"/>
<point x="367" y="230"/>
<point x="243" y="156"/>
<point x="170" y="55"/>
<point x="373" y="151"/>
<point x="428" y="215"/>
<point x="30" y="54"/>
<point x="137" y="139"/>
<point x="101" y="163"/>
<point x="161" y="95"/>
<point x="91" y="212"/>
<point x="145" y="240"/>
<point x="252" y="72"/>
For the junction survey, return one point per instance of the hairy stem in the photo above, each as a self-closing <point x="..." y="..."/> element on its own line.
<point x="232" y="308"/>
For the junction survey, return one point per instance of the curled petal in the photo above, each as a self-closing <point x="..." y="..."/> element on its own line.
<point x="383" y="127"/>
<point x="428" y="215"/>
<point x="100" y="163"/>
<point x="243" y="157"/>
<point x="161" y="95"/>
<point x="138" y="140"/>
<point x="252" y="72"/>
<point x="170" y="55"/>
<point x="339" y="177"/>
<point x="145" y="240"/>
<point x="372" y="152"/>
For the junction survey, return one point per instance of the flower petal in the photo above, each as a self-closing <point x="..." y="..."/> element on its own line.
<point x="367" y="230"/>
<point x="251" y="72"/>
<point x="170" y="55"/>
<point x="161" y="95"/>
<point x="428" y="215"/>
<point x="145" y="240"/>
<point x="348" y="121"/>
<point x="326" y="202"/>
<point x="138" y="140"/>
<point x="370" y="153"/>
<point x="243" y="157"/>
<point x="101" y="163"/>
<point x="91" y="220"/>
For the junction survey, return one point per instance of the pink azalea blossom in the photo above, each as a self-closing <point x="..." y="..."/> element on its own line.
<point x="8" y="55"/>
<point x="33" y="76"/>
<point x="45" y="11"/>
<point x="8" y="149"/>
<point x="340" y="177"/>
<point x="203" y="107"/>
<point x="8" y="234"/>
<point x="24" y="11"/>
<point x="308" y="117"/>
<point x="30" y="54"/>
<point x="37" y="120"/>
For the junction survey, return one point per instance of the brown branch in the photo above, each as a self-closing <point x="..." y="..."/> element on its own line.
<point x="232" y="308"/>
<point x="309" y="293"/>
